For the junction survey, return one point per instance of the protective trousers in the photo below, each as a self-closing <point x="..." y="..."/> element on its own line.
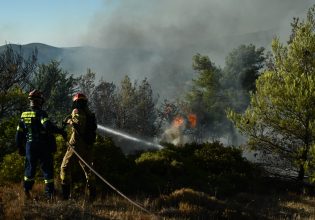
<point x="65" y="172"/>
<point x="36" y="154"/>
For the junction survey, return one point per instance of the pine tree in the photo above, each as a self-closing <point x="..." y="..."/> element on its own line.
<point x="280" y="120"/>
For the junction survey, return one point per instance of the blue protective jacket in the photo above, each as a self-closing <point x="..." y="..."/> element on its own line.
<point x="36" y="129"/>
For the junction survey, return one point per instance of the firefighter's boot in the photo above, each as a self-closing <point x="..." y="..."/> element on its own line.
<point x="91" y="192"/>
<point x="49" y="191"/>
<point x="27" y="194"/>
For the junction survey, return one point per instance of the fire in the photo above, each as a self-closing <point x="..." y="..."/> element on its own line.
<point x="192" y="118"/>
<point x="178" y="121"/>
<point x="176" y="132"/>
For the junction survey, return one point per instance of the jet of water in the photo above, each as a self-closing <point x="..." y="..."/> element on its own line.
<point x="127" y="136"/>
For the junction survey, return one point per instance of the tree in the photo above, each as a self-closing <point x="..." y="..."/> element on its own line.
<point x="205" y="98"/>
<point x="126" y="100"/>
<point x="135" y="110"/>
<point x="14" y="68"/>
<point x="242" y="67"/>
<point x="104" y="102"/>
<point x="57" y="86"/>
<point x="145" y="110"/>
<point x="280" y="121"/>
<point x="166" y="112"/>
<point x="15" y="72"/>
<point x="86" y="83"/>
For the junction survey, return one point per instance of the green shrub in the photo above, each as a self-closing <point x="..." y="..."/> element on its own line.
<point x="12" y="168"/>
<point x="160" y="171"/>
<point x="225" y="168"/>
<point x="209" y="167"/>
<point x="108" y="160"/>
<point x="111" y="163"/>
<point x="7" y="142"/>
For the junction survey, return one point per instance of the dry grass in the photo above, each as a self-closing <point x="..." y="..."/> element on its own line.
<point x="189" y="204"/>
<point x="181" y="204"/>
<point x="11" y="202"/>
<point x="14" y="205"/>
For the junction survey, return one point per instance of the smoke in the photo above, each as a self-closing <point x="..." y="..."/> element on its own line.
<point x="157" y="39"/>
<point x="178" y="24"/>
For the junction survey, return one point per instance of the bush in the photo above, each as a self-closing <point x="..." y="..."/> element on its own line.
<point x="108" y="161"/>
<point x="225" y="168"/>
<point x="7" y="142"/>
<point x="12" y="168"/>
<point x="111" y="163"/>
<point x="209" y="167"/>
<point x="160" y="171"/>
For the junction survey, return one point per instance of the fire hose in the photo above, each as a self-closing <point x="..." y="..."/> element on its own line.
<point x="109" y="184"/>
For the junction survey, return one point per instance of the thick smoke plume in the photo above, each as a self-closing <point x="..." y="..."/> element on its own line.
<point x="157" y="39"/>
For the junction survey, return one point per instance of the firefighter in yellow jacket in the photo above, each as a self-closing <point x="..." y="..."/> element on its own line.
<point x="83" y="133"/>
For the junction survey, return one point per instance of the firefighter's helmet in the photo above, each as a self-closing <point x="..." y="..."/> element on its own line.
<point x="35" y="94"/>
<point x="79" y="96"/>
<point x="36" y="97"/>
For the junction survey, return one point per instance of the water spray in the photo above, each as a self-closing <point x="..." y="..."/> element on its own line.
<point x="129" y="137"/>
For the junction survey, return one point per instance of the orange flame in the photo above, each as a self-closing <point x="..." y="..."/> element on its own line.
<point x="178" y="121"/>
<point x="192" y="118"/>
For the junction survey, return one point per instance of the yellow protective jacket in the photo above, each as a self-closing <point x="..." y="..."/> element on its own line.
<point x="83" y="127"/>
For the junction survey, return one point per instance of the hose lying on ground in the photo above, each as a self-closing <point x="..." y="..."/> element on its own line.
<point x="110" y="185"/>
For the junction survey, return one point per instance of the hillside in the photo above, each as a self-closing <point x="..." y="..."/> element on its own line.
<point x="168" y="70"/>
<point x="113" y="64"/>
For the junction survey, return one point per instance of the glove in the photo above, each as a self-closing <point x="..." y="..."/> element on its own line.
<point x="21" y="151"/>
<point x="65" y="120"/>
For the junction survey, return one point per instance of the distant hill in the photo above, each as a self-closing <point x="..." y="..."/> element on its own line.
<point x="162" y="69"/>
<point x="67" y="56"/>
<point x="45" y="52"/>
<point x="169" y="70"/>
<point x="76" y="60"/>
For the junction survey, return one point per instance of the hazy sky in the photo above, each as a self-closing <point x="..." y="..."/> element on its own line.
<point x="144" y="23"/>
<point x="150" y="38"/>
<point x="54" y="22"/>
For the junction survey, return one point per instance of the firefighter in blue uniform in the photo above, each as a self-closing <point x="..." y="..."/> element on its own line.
<point x="35" y="140"/>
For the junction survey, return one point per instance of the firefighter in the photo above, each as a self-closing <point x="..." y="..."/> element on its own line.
<point x="83" y="132"/>
<point x="36" y="141"/>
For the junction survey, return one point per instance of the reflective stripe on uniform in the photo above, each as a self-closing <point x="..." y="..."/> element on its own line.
<point x="28" y="179"/>
<point x="27" y="120"/>
<point x="19" y="128"/>
<point x="44" y="120"/>
<point x="28" y="115"/>
<point x="49" y="181"/>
